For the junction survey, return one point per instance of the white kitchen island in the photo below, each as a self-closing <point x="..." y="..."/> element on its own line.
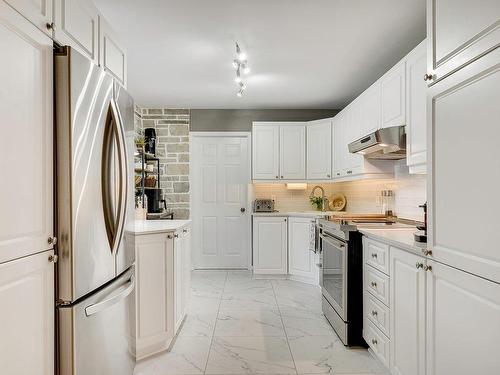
<point x="163" y="274"/>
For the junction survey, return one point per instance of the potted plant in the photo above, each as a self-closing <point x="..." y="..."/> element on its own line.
<point x="317" y="201"/>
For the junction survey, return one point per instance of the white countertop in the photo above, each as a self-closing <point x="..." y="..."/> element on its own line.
<point x="157" y="226"/>
<point x="296" y="213"/>
<point x="398" y="237"/>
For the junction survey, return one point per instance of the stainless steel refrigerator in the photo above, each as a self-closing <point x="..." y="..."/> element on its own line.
<point x="95" y="204"/>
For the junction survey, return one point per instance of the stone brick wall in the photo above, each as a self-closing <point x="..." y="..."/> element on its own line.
<point x="172" y="148"/>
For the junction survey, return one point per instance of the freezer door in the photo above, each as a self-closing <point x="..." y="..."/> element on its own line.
<point x="91" y="176"/>
<point x="97" y="335"/>
<point x="125" y="255"/>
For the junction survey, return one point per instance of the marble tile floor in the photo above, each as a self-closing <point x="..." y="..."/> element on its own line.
<point x="240" y="325"/>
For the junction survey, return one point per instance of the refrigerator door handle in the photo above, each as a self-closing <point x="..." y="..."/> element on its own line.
<point x="125" y="290"/>
<point x="114" y="199"/>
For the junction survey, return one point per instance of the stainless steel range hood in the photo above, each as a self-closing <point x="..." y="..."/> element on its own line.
<point x="383" y="144"/>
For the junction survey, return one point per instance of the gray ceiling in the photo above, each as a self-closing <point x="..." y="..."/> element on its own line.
<point x="303" y="53"/>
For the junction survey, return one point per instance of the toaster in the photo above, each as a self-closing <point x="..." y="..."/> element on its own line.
<point x="263" y="205"/>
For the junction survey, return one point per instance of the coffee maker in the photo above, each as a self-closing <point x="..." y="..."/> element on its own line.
<point x="155" y="202"/>
<point x="150" y="140"/>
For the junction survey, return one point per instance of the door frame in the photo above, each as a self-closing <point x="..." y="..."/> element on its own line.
<point x="193" y="187"/>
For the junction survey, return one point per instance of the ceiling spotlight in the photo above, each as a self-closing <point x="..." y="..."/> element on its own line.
<point x="246" y="69"/>
<point x="241" y="55"/>
<point x="237" y="79"/>
<point x="236" y="64"/>
<point x="239" y="94"/>
<point x="242" y="85"/>
<point x="241" y="66"/>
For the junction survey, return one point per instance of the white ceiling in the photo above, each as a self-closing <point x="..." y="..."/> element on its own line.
<point x="303" y="53"/>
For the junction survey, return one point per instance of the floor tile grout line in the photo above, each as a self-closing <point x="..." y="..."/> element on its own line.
<point x="284" y="328"/>
<point x="215" y="325"/>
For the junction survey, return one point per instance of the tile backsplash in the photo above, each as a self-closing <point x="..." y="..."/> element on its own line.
<point x="362" y="196"/>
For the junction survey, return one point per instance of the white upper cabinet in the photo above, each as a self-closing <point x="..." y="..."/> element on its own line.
<point x="393" y="91"/>
<point x="38" y="12"/>
<point x="458" y="32"/>
<point x="27" y="315"/>
<point x="407" y="323"/>
<point x="76" y="25"/>
<point x="292" y="152"/>
<point x="26" y="198"/>
<point x="416" y="126"/>
<point x="463" y="322"/>
<point x="370" y="110"/>
<point x="319" y="149"/>
<point x="265" y="151"/>
<point x="463" y="132"/>
<point x="112" y="55"/>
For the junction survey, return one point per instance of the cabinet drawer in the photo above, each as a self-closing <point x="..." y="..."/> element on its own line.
<point x="377" y="284"/>
<point x="377" y="313"/>
<point x="376" y="254"/>
<point x="377" y="341"/>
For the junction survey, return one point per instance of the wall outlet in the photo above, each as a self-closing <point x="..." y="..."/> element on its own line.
<point x="273" y="197"/>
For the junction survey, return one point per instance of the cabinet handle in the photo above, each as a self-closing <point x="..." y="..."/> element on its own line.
<point x="176" y="235"/>
<point x="184" y="230"/>
<point x="373" y="284"/>
<point x="349" y="172"/>
<point x="285" y="220"/>
<point x="419" y="265"/>
<point x="428" y="268"/>
<point x="428" y="77"/>
<point x="374" y="255"/>
<point x="53" y="258"/>
<point x="281" y="176"/>
<point x="49" y="25"/>
<point x="374" y="313"/>
<point x="52" y="240"/>
<point x="338" y="173"/>
<point x="169" y="236"/>
<point x="277" y="177"/>
<point x="374" y="342"/>
<point x="427" y="252"/>
<point x="328" y="175"/>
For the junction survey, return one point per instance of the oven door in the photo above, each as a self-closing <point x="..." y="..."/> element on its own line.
<point x="334" y="272"/>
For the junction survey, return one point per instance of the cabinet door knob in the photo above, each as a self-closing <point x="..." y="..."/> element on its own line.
<point x="184" y="230"/>
<point x="53" y="258"/>
<point x="52" y="240"/>
<point x="374" y="255"/>
<point x="243" y="209"/>
<point x="169" y="236"/>
<point x="277" y="177"/>
<point x="49" y="25"/>
<point x="373" y="284"/>
<point x="427" y="252"/>
<point x="176" y="235"/>
<point x="428" y="268"/>
<point x="428" y="77"/>
<point x="374" y="342"/>
<point x="419" y="265"/>
<point x="328" y="175"/>
<point x="374" y="313"/>
<point x="281" y="176"/>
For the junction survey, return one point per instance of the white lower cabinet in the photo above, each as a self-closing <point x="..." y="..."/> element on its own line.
<point x="270" y="245"/>
<point x="154" y="257"/>
<point x="27" y="315"/>
<point x="463" y="323"/>
<point x="302" y="261"/>
<point x="163" y="282"/>
<point x="407" y="322"/>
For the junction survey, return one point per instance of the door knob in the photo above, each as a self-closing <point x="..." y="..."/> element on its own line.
<point x="243" y="209"/>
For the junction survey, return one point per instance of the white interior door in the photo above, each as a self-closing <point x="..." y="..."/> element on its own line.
<point x="220" y="178"/>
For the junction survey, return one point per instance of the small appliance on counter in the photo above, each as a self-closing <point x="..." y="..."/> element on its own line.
<point x="421" y="234"/>
<point x="263" y="205"/>
<point x="155" y="202"/>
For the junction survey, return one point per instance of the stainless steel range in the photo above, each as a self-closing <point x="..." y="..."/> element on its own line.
<point x="341" y="279"/>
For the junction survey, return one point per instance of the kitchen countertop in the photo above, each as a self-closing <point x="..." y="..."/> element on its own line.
<point x="157" y="226"/>
<point x="401" y="237"/>
<point x="296" y="213"/>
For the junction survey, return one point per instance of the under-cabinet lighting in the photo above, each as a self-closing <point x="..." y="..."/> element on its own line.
<point x="296" y="186"/>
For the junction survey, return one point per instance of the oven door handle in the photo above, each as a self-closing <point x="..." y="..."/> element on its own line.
<point x="333" y="241"/>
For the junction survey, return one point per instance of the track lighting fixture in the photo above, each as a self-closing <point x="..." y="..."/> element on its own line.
<point x="240" y="64"/>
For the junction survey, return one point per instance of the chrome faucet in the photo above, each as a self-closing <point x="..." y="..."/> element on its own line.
<point x="324" y="199"/>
